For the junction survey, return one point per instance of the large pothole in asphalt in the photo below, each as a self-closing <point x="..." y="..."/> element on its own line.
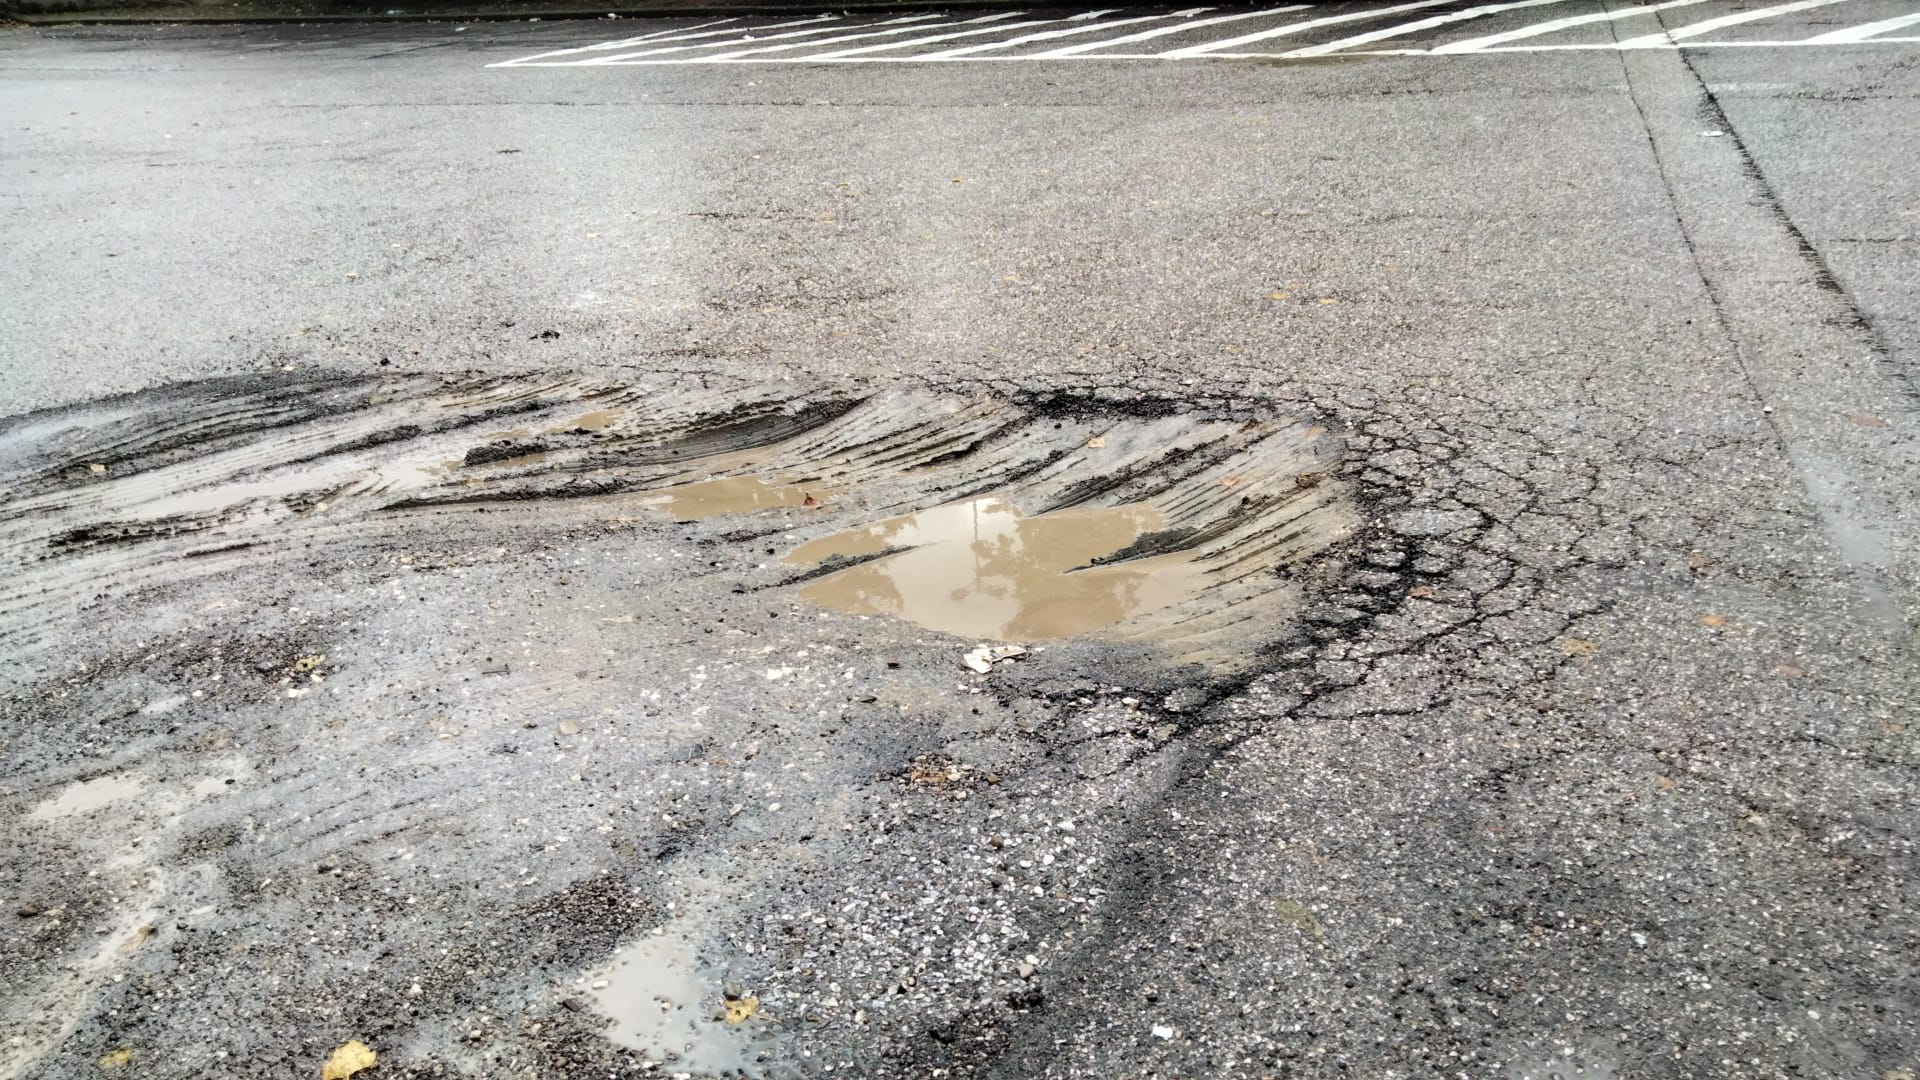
<point x="984" y="518"/>
<point x="636" y="681"/>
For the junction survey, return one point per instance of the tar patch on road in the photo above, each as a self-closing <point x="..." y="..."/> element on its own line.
<point x="981" y="518"/>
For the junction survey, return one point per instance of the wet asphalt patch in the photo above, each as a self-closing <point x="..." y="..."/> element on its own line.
<point x="319" y="733"/>
<point x="471" y="598"/>
<point x="988" y="518"/>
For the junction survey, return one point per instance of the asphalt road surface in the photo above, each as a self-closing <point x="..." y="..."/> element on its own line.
<point x="496" y="517"/>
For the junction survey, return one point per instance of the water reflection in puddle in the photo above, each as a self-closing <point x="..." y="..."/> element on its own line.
<point x="979" y="569"/>
<point x="724" y="495"/>
<point x="652" y="993"/>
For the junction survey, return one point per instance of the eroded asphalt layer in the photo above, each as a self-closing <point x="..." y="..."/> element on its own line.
<point x="1539" y="707"/>
<point x="411" y="700"/>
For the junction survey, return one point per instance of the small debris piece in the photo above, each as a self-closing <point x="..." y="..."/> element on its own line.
<point x="307" y="663"/>
<point x="96" y="467"/>
<point x="1867" y="420"/>
<point x="568" y="727"/>
<point x="1162" y="1031"/>
<point x="349" y="1059"/>
<point x="1574" y="646"/>
<point x="1299" y="916"/>
<point x="116" y="1059"/>
<point x="739" y="1010"/>
<point x="1715" y="621"/>
<point x="1791" y="671"/>
<point x="983" y="658"/>
<point x="138" y="939"/>
<point x="1666" y="783"/>
<point x="1229" y="481"/>
<point x="1310" y="479"/>
<point x="1421" y="591"/>
<point x="809" y="502"/>
<point x="1096" y="442"/>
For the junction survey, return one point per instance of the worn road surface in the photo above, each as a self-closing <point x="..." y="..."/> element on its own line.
<point x="495" y="518"/>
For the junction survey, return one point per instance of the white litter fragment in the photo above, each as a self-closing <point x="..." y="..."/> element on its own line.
<point x="983" y="658"/>
<point x="1162" y="1031"/>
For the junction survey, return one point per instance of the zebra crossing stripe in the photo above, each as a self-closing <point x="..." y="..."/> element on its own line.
<point x="1295" y="28"/>
<point x="1163" y="31"/>
<point x="859" y="37"/>
<point x="1864" y="32"/>
<point x="1404" y="29"/>
<point x="1476" y="44"/>
<point x="1116" y="34"/>
<point x="937" y="38"/>
<point x="623" y="57"/>
<point x="677" y="34"/>
<point x="1710" y="25"/>
<point x="1049" y="35"/>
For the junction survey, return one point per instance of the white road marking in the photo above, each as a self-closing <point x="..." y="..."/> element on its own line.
<point x="1420" y="24"/>
<point x="1294" y="28"/>
<point x="1476" y="44"/>
<point x="744" y="40"/>
<point x="1049" y="35"/>
<point x="1163" y="31"/>
<point x="896" y="31"/>
<point x="819" y="57"/>
<point x="1864" y="31"/>
<point x="908" y="39"/>
<point x="1710" y="25"/>
<point x="658" y="35"/>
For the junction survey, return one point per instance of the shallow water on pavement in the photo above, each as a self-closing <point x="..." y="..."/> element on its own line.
<point x="981" y="569"/>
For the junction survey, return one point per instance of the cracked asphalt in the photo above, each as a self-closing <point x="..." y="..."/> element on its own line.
<point x="1585" y="745"/>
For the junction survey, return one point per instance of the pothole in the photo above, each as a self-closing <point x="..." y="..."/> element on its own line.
<point x="981" y="518"/>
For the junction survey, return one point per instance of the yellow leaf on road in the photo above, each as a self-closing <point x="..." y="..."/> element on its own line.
<point x="739" y="1009"/>
<point x="1097" y="442"/>
<point x="118" y="1059"/>
<point x="347" y="1060"/>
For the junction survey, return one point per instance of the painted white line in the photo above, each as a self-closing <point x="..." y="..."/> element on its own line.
<point x="932" y="39"/>
<point x="1610" y="47"/>
<point x="1147" y="35"/>
<point x="1605" y="47"/>
<point x="745" y="40"/>
<point x="657" y="35"/>
<point x="1294" y="28"/>
<point x="1049" y="35"/>
<point x="1476" y="44"/>
<point x="1710" y="25"/>
<point x="895" y="32"/>
<point x="1404" y="29"/>
<point x="1865" y="30"/>
<point x="935" y="39"/>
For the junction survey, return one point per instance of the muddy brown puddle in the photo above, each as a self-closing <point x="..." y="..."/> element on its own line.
<point x="981" y="569"/>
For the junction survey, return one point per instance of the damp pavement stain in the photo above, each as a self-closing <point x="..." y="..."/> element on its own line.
<point x="84" y="796"/>
<point x="981" y="569"/>
<point x="726" y="495"/>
